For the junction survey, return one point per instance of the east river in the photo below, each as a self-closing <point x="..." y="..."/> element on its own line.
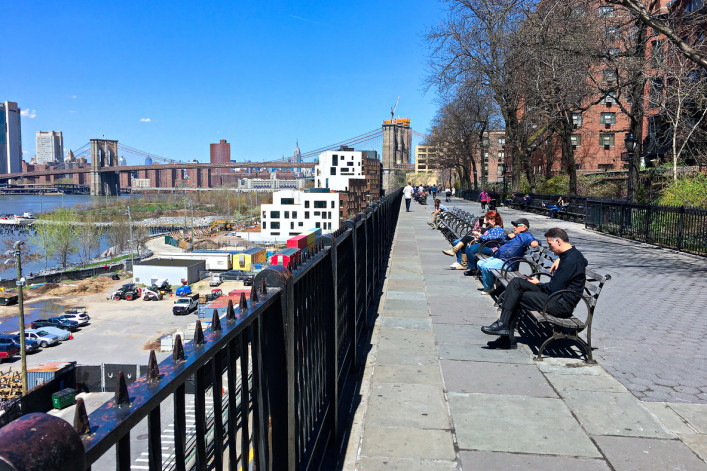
<point x="36" y="204"/>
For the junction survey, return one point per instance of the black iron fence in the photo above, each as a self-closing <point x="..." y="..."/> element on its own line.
<point x="279" y="371"/>
<point x="679" y="228"/>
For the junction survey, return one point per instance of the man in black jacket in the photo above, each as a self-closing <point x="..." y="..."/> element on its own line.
<point x="568" y="273"/>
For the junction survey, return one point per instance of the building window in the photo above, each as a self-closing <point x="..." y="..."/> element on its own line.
<point x="606" y="12"/>
<point x="577" y="120"/>
<point x="287" y="215"/>
<point x="606" y="139"/>
<point x="274" y="225"/>
<point x="317" y="225"/>
<point x="608" y="76"/>
<point x="275" y="233"/>
<point x="693" y="6"/>
<point x="501" y="141"/>
<point x="350" y="164"/>
<point x="501" y="156"/>
<point x="320" y="204"/>
<point x="613" y="52"/>
<point x="287" y="201"/>
<point x="294" y="214"/>
<point x="306" y="204"/>
<point x="328" y="215"/>
<point x="485" y="142"/>
<point x="576" y="140"/>
<point x="317" y="213"/>
<point x="292" y="225"/>
<point x="486" y="156"/>
<point x="607" y="118"/>
<point x="300" y="224"/>
<point x="332" y="171"/>
<point x="657" y="52"/>
<point x="265" y="225"/>
<point x="335" y="159"/>
<point x="264" y="214"/>
<point x="275" y="214"/>
<point x="609" y="99"/>
<point x="656" y="92"/>
<point x="611" y="33"/>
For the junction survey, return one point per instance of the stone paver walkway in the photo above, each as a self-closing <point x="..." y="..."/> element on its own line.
<point x="434" y="397"/>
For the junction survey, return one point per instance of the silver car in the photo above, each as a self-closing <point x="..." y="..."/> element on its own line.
<point x="80" y="317"/>
<point x="61" y="333"/>
<point x="43" y="338"/>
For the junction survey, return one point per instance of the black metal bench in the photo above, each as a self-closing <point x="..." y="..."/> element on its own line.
<point x="455" y="224"/>
<point x="539" y="262"/>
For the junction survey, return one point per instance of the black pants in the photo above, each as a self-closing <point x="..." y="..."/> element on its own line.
<point x="522" y="293"/>
<point x="407" y="204"/>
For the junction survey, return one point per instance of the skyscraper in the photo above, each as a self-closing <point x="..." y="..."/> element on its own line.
<point x="221" y="154"/>
<point x="10" y="138"/>
<point x="50" y="147"/>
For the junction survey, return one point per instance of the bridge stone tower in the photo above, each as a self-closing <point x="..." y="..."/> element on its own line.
<point x="104" y="153"/>
<point x="396" y="149"/>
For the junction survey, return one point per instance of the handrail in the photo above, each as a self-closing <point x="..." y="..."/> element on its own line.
<point x="300" y="338"/>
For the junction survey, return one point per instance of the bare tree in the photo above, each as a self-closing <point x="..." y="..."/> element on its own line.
<point x="672" y="26"/>
<point x="679" y="96"/>
<point x="89" y="238"/>
<point x="477" y="39"/>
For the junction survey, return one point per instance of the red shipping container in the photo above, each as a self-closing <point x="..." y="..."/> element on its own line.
<point x="297" y="242"/>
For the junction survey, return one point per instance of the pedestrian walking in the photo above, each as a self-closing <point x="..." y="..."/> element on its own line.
<point x="407" y="194"/>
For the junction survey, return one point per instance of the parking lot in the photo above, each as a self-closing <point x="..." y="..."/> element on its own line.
<point x="119" y="331"/>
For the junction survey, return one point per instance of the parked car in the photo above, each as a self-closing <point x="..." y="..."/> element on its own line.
<point x="128" y="292"/>
<point x="185" y="305"/>
<point x="214" y="294"/>
<point x="43" y="337"/>
<point x="62" y="334"/>
<point x="248" y="280"/>
<point x="30" y="345"/>
<point x="80" y="318"/>
<point x="148" y="294"/>
<point x="55" y="322"/>
<point x="215" y="280"/>
<point x="8" y="350"/>
<point x="79" y="310"/>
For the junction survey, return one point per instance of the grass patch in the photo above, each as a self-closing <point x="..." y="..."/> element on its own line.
<point x="101" y="263"/>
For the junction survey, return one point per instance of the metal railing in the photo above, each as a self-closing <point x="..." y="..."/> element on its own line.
<point x="299" y="340"/>
<point x="680" y="228"/>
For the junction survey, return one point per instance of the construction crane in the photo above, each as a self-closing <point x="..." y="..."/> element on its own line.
<point x="392" y="110"/>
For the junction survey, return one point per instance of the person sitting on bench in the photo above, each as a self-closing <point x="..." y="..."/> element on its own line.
<point x="557" y="207"/>
<point x="494" y="231"/>
<point x="518" y="241"/>
<point x="568" y="273"/>
<point x="439" y="209"/>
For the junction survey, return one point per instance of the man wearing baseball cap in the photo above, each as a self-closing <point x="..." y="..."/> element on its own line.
<point x="518" y="242"/>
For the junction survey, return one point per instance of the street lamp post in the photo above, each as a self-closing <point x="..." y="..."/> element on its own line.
<point x="505" y="169"/>
<point x="21" y="319"/>
<point x="630" y="142"/>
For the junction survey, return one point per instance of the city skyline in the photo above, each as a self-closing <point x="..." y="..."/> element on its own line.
<point x="259" y="76"/>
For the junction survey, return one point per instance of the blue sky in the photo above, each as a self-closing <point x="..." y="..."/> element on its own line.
<point x="171" y="77"/>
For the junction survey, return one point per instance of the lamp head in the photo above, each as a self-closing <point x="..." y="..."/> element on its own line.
<point x="630" y="142"/>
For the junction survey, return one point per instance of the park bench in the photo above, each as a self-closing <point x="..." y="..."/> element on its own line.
<point x="455" y="224"/>
<point x="539" y="262"/>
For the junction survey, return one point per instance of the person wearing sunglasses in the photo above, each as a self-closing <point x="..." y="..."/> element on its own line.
<point x="517" y="243"/>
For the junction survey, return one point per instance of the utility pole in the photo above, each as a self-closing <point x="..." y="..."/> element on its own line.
<point x="191" y="239"/>
<point x="130" y="224"/>
<point x="20" y="297"/>
<point x="185" y="213"/>
<point x="228" y="202"/>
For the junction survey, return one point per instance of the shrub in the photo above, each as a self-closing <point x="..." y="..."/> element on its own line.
<point x="686" y="191"/>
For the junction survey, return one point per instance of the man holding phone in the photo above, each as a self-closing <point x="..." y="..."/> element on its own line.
<point x="568" y="273"/>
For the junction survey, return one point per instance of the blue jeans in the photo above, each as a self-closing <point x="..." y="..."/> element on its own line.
<point x="471" y="250"/>
<point x="485" y="266"/>
<point x="407" y="204"/>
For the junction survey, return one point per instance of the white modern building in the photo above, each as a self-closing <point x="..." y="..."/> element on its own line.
<point x="293" y="212"/>
<point x="336" y="167"/>
<point x="10" y="138"/>
<point x="50" y="147"/>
